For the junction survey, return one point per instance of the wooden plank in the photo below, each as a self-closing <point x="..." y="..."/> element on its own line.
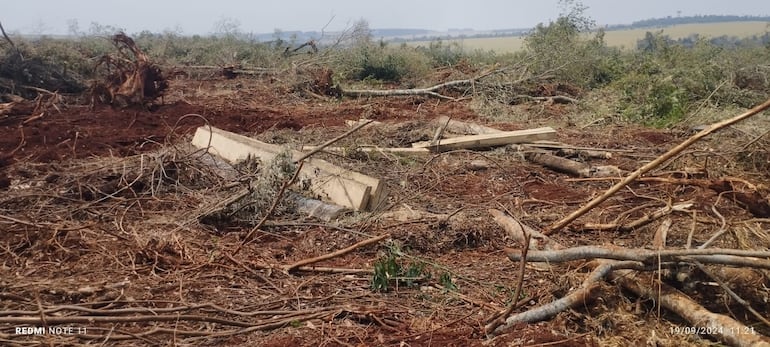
<point x="492" y="140"/>
<point x="377" y="191"/>
<point x="343" y="187"/>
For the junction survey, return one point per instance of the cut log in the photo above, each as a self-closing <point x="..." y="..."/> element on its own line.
<point x="330" y="182"/>
<point x="490" y="140"/>
<point x="560" y="164"/>
<point x="569" y="152"/>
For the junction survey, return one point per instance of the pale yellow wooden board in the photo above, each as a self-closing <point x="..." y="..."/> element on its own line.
<point x="333" y="183"/>
<point x="491" y="140"/>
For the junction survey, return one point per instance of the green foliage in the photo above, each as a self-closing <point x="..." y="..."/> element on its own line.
<point x="227" y="49"/>
<point x="446" y="281"/>
<point x="369" y="61"/>
<point x="665" y="80"/>
<point x="563" y="47"/>
<point x="395" y="268"/>
<point x="443" y="54"/>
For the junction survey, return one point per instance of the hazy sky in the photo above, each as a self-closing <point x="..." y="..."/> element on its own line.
<point x="199" y="17"/>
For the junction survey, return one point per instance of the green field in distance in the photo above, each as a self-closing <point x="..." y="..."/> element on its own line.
<point x="621" y="38"/>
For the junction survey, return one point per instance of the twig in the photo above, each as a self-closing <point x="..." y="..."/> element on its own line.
<point x="754" y="140"/>
<point x="252" y="271"/>
<point x="500" y="318"/>
<point x="653" y="164"/>
<point x="332" y="141"/>
<point x="207" y="307"/>
<point x="19" y="221"/>
<point x="334" y="270"/>
<point x="33" y="118"/>
<point x="722" y="229"/>
<point x="643" y="220"/>
<point x="557" y="99"/>
<point x="343" y="251"/>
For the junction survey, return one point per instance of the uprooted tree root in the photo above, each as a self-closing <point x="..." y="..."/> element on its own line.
<point x="128" y="81"/>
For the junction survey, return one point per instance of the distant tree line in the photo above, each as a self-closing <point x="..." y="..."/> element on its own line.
<point x="669" y="21"/>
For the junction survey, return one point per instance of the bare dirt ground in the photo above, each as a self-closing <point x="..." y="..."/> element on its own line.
<point x="98" y="220"/>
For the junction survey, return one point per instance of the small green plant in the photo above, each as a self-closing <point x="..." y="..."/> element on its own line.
<point x="446" y="281"/>
<point x="384" y="270"/>
<point x="395" y="268"/>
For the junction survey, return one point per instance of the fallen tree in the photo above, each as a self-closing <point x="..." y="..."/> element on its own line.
<point x="128" y="79"/>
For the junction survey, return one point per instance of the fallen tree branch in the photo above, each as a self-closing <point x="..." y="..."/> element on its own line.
<point x="343" y="251"/>
<point x="750" y="199"/>
<point x="641" y="221"/>
<point x="319" y="148"/>
<point x="653" y="164"/>
<point x="730" y="330"/>
<point x="518" y="231"/>
<point x="731" y="257"/>
<point x="559" y="164"/>
<point x="334" y="270"/>
<point x="429" y="91"/>
<point x="574" y="299"/>
<point x="396" y="92"/>
<point x="207" y="334"/>
<point x="733" y="294"/>
<point x="556" y="99"/>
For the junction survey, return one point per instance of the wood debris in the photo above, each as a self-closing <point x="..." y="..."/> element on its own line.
<point x="330" y="182"/>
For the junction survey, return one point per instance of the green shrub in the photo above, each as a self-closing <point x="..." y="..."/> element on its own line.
<point x="666" y="80"/>
<point x="443" y="54"/>
<point x="383" y="63"/>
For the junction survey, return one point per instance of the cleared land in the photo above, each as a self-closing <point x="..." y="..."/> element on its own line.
<point x="623" y="38"/>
